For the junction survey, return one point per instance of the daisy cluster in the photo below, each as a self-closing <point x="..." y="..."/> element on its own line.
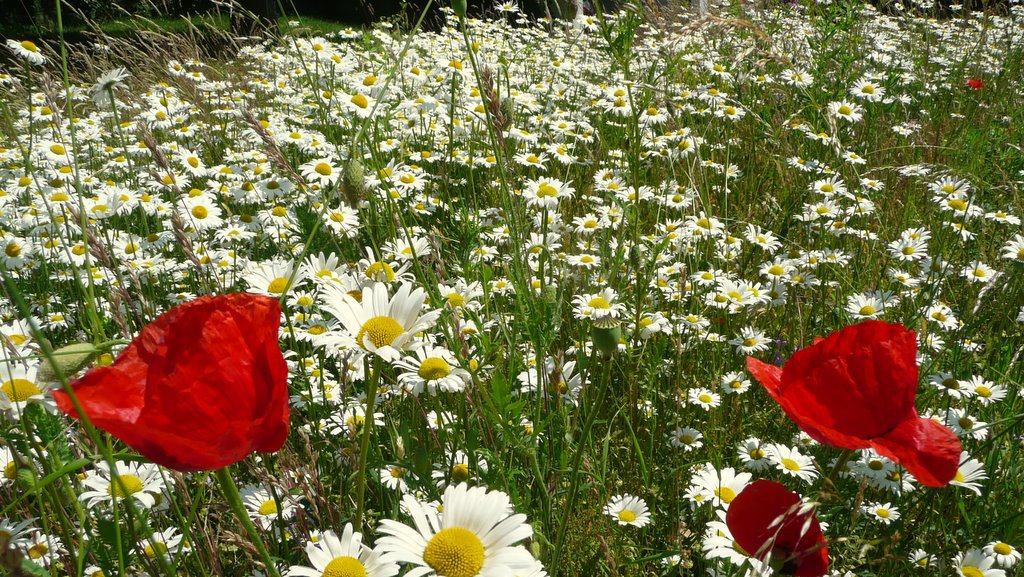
<point x="453" y="221"/>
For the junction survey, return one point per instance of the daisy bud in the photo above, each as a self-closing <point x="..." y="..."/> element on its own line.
<point x="507" y="107"/>
<point x="353" y="181"/>
<point x="606" y="332"/>
<point x="459" y="6"/>
<point x="68" y="359"/>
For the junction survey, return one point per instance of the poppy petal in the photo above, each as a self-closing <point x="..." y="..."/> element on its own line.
<point x="200" y="388"/>
<point x="860" y="381"/>
<point x="771" y="377"/>
<point x="928" y="450"/>
<point x="766" y="519"/>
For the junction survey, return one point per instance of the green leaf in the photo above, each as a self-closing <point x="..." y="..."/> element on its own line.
<point x="28" y="567"/>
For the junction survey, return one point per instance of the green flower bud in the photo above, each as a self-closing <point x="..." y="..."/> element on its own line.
<point x="459" y="6"/>
<point x="353" y="181"/>
<point x="606" y="333"/>
<point x="69" y="359"/>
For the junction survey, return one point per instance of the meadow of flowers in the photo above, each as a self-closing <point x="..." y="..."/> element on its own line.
<point x="510" y="299"/>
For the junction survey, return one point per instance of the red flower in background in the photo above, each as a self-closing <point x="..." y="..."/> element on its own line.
<point x="855" y="389"/>
<point x="773" y="525"/>
<point x="200" y="388"/>
<point x="975" y="83"/>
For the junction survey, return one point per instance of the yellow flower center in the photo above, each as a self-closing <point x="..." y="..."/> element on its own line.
<point x="790" y="465"/>
<point x="268" y="507"/>
<point x="460" y="473"/>
<point x="455" y="552"/>
<point x="380" y="271"/>
<point x="456" y="300"/>
<point x="434" y="368"/>
<point x="1002" y="549"/>
<point x="132" y="485"/>
<point x="599" y="303"/>
<point x="546" y="190"/>
<point x="756" y="454"/>
<point x="883" y="512"/>
<point x="20" y="390"/>
<point x="627" y="516"/>
<point x="58" y="149"/>
<point x="154" y="549"/>
<point x="970" y="571"/>
<point x="360" y="101"/>
<point x="966" y="423"/>
<point x="381" y="331"/>
<point x="344" y="567"/>
<point x="725" y="494"/>
<point x="277" y="285"/>
<point x="12" y="249"/>
<point x="29" y="45"/>
<point x="867" y="310"/>
<point x="957" y="204"/>
<point x="776" y="270"/>
<point x="704" y="398"/>
<point x="983" y="391"/>
<point x="845" y="110"/>
<point x="11" y="471"/>
<point x="875" y="465"/>
<point x="38" y="550"/>
<point x="323" y="169"/>
<point x="200" y="212"/>
<point x="749" y="342"/>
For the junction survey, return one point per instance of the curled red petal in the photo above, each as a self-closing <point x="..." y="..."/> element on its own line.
<point x="928" y="450"/>
<point x="200" y="388"/>
<point x="767" y="519"/>
<point x="768" y="375"/>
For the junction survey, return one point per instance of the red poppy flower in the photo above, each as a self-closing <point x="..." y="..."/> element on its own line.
<point x="199" y="388"/>
<point x="855" y="389"/>
<point x="773" y="525"/>
<point x="975" y="83"/>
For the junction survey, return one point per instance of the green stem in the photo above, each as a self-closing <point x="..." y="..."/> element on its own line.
<point x="840" y="464"/>
<point x="364" y="444"/>
<point x="230" y="490"/>
<point x="603" y="385"/>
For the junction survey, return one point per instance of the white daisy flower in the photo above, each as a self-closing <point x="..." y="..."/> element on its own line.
<point x="884" y="513"/>
<point x="628" y="510"/>
<point x="141" y="481"/>
<point x="1006" y="555"/>
<point x="474" y="534"/>
<point x="434" y="369"/>
<point x="332" y="556"/>
<point x="791" y="462"/>
<point x="380" y="325"/>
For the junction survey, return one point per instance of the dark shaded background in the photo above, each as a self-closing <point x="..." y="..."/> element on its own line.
<point x="22" y="14"/>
